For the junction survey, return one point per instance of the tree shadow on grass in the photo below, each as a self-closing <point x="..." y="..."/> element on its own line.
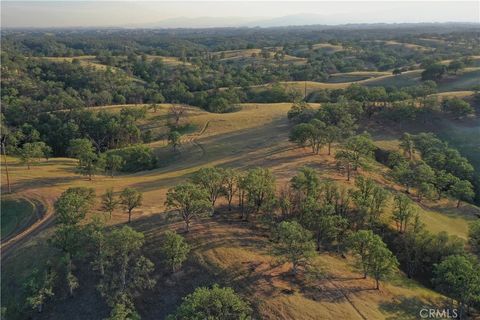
<point x="408" y="308"/>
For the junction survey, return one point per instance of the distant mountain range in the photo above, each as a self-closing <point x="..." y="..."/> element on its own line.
<point x="215" y="22"/>
<point x="304" y="19"/>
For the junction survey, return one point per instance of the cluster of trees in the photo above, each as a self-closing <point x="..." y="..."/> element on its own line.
<point x="397" y="104"/>
<point x="440" y="171"/>
<point x="106" y="130"/>
<point x="114" y="256"/>
<point x="255" y="190"/>
<point x="333" y="123"/>
<point x="436" y="71"/>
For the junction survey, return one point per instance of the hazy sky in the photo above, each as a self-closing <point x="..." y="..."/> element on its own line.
<point x="131" y="13"/>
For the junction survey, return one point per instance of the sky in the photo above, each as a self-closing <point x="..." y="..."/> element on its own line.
<point x="44" y="14"/>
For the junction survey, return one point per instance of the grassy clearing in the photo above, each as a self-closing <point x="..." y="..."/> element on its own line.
<point x="249" y="54"/>
<point x="464" y="81"/>
<point x="411" y="46"/>
<point x="408" y="78"/>
<point x="86" y="61"/>
<point x="15" y="215"/>
<point x="170" y="61"/>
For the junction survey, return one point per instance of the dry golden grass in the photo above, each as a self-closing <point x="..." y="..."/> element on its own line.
<point x="407" y="45"/>
<point x="170" y="61"/>
<point x="255" y="53"/>
<point x="330" y="47"/>
<point x="86" y="61"/>
<point x="227" y="249"/>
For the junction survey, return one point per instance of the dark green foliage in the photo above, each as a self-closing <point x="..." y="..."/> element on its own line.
<point x="474" y="237"/>
<point x="459" y="278"/>
<point x="374" y="258"/>
<point x="293" y="243"/>
<point x="190" y="201"/>
<point x="135" y="158"/>
<point x="130" y="198"/>
<point x="458" y="108"/>
<point x="127" y="271"/>
<point x="174" y="250"/>
<point x="216" y="304"/>
<point x="434" y="72"/>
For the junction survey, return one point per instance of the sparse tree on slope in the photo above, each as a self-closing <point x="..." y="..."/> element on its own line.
<point x="212" y="180"/>
<point x="293" y="243"/>
<point x="127" y="271"/>
<point x="462" y="190"/>
<point x="403" y="212"/>
<point x="130" y="198"/>
<point x="189" y="201"/>
<point x="174" y="249"/>
<point x="109" y="202"/>
<point x="353" y="153"/>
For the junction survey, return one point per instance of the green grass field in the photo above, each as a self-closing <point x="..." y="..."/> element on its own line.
<point x="15" y="214"/>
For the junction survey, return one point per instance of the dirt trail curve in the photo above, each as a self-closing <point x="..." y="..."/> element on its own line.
<point x="45" y="211"/>
<point x="191" y="138"/>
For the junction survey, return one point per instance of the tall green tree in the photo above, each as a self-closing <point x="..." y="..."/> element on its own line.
<point x="230" y="185"/>
<point x="312" y="134"/>
<point x="259" y="185"/>
<point x="130" y="198"/>
<point x="374" y="258"/>
<point x="113" y="163"/>
<point x="462" y="190"/>
<point x="306" y="182"/>
<point x="212" y="180"/>
<point x="39" y="287"/>
<point x="80" y="148"/>
<point x="127" y="271"/>
<point x="407" y="144"/>
<point x="214" y="303"/>
<point x="474" y="237"/>
<point x="370" y="200"/>
<point x="403" y="212"/>
<point x="174" y="140"/>
<point x="459" y="278"/>
<point x="354" y="152"/>
<point x="174" y="250"/>
<point x="31" y="152"/>
<point x="293" y="243"/>
<point x="109" y="202"/>
<point x="190" y="201"/>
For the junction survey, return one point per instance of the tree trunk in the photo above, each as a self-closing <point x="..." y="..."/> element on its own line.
<point x="318" y="241"/>
<point x="348" y="172"/>
<point x="6" y="169"/>
<point x="377" y="285"/>
<point x="458" y="203"/>
<point x="129" y="216"/>
<point x="329" y="148"/>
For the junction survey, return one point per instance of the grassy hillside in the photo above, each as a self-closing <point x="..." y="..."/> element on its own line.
<point x="225" y="249"/>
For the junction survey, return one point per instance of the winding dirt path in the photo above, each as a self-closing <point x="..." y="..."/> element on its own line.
<point x="45" y="211"/>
